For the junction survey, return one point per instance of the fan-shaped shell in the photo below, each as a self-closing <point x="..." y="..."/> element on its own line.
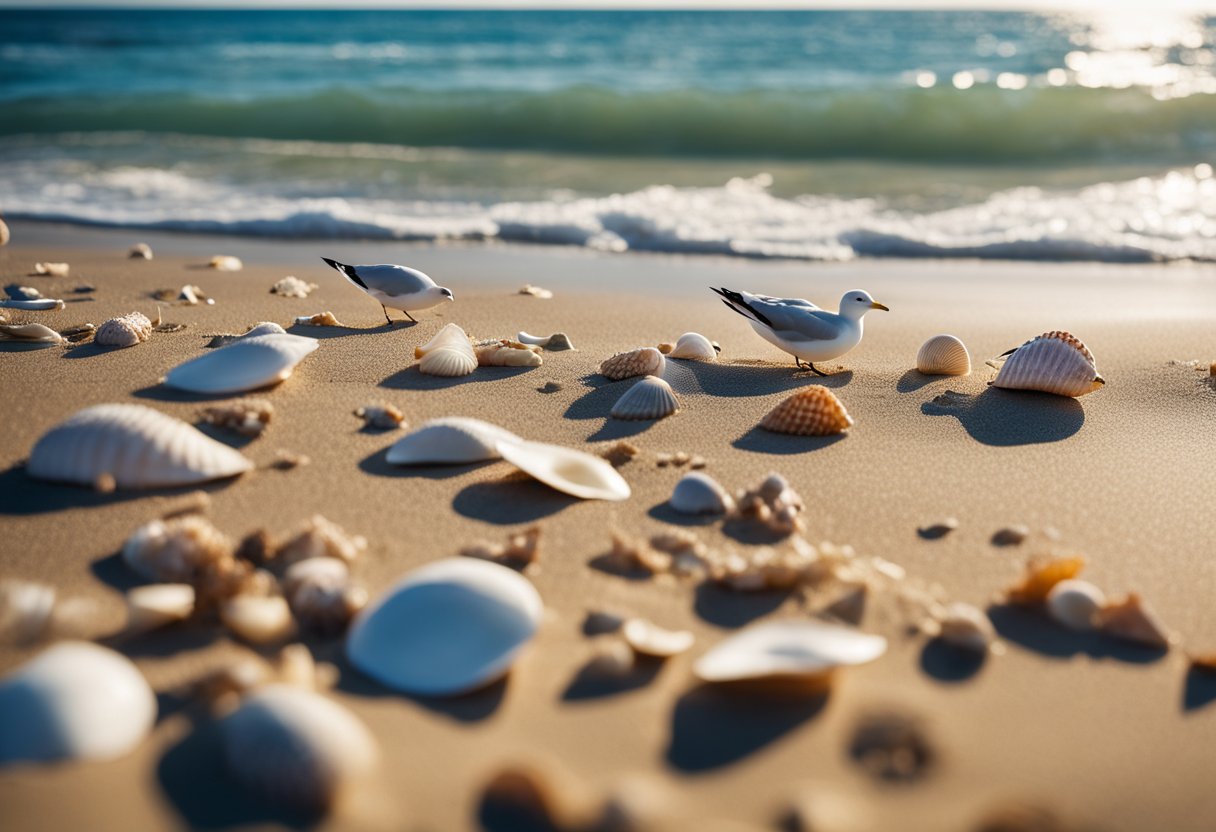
<point x="449" y="362"/>
<point x="126" y="331"/>
<point x="943" y="355"/>
<point x="646" y="361"/>
<point x="448" y="336"/>
<point x="452" y="440"/>
<point x="136" y="445"/>
<point x="788" y="649"/>
<point x="698" y="493"/>
<point x="571" y="472"/>
<point x="650" y="398"/>
<point x="695" y="347"/>
<point x="1075" y="604"/>
<point x="247" y="364"/>
<point x="447" y="628"/>
<point x="74" y="700"/>
<point x="1055" y="362"/>
<point x="296" y="748"/>
<point x="812" y="411"/>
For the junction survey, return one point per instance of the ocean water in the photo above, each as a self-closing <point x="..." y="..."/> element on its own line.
<point x="816" y="135"/>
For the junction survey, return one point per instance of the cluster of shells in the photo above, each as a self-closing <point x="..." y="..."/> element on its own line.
<point x="451" y="353"/>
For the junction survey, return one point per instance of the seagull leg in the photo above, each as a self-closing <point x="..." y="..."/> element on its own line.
<point x="386" y="317"/>
<point x="816" y="370"/>
<point x="408" y="315"/>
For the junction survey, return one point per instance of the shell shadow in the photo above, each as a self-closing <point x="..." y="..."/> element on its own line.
<point x="744" y="379"/>
<point x="473" y="706"/>
<point x="1035" y="631"/>
<point x="761" y="441"/>
<point x="730" y="609"/>
<point x="950" y="664"/>
<point x="22" y="495"/>
<point x="378" y="465"/>
<point x="161" y="393"/>
<point x="88" y="349"/>
<point x="513" y="499"/>
<point x="913" y="380"/>
<point x="713" y="726"/>
<point x="411" y="379"/>
<point x="663" y="512"/>
<point x="1003" y="418"/>
<point x="606" y="564"/>
<point x="1198" y="690"/>
<point x="23" y="346"/>
<point x="589" y="683"/>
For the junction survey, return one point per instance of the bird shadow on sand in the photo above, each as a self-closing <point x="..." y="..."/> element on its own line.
<point x="950" y="664"/>
<point x="514" y="498"/>
<point x="23" y="495"/>
<point x="326" y="333"/>
<point x="744" y="378"/>
<point x="717" y="725"/>
<point x="763" y="441"/>
<point x="1199" y="689"/>
<point x="591" y="682"/>
<point x="1035" y="631"/>
<point x="378" y="465"/>
<point x="411" y="379"/>
<point x="474" y="706"/>
<point x="1004" y="418"/>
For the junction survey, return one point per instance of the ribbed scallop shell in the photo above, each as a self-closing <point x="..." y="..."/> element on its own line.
<point x="812" y="411"/>
<point x="943" y="355"/>
<point x="650" y="398"/>
<point x="126" y="331"/>
<point x="449" y="335"/>
<point x="1055" y="362"/>
<point x="646" y="361"/>
<point x="136" y="445"/>
<point x="449" y="361"/>
<point x="698" y="493"/>
<point x="694" y="347"/>
<point x="564" y="469"/>
<point x="452" y="440"/>
<point x="247" y="364"/>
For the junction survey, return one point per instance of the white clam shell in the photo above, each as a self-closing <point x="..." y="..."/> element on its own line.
<point x="447" y="628"/>
<point x="695" y="347"/>
<point x="74" y="700"/>
<point x="453" y="440"/>
<point x="699" y="493"/>
<point x="564" y="469"/>
<point x="1075" y="604"/>
<point x="966" y="627"/>
<point x="449" y="361"/>
<point x="1051" y="365"/>
<point x="247" y="364"/>
<point x="451" y="335"/>
<point x="650" y="398"/>
<point x="136" y="445"/>
<point x="157" y="605"/>
<point x="943" y="355"/>
<point x="788" y="649"/>
<point x="296" y="748"/>
<point x="649" y="639"/>
<point x="41" y="304"/>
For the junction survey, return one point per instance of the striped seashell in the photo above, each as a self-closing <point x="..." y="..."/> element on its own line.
<point x="646" y="361"/>
<point x="126" y="331"/>
<point x="650" y="398"/>
<point x="694" y="347"/>
<point x="812" y="411"/>
<point x="698" y="493"/>
<point x="449" y="361"/>
<point x="247" y="364"/>
<point x="943" y="355"/>
<point x="450" y="335"/>
<point x="1055" y="362"/>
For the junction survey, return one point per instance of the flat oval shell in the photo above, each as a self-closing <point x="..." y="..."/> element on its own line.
<point x="650" y="398"/>
<point x="449" y="361"/>
<point x="447" y="628"/>
<point x="452" y="440"/>
<point x="39" y="305"/>
<point x="1055" y="362"/>
<point x="138" y="446"/>
<point x="247" y="364"/>
<point x="74" y="700"/>
<point x="31" y="333"/>
<point x="646" y="361"/>
<point x="649" y="639"/>
<point x="943" y="355"/>
<point x="788" y="649"/>
<point x="699" y="493"/>
<point x="157" y="605"/>
<point x="694" y="346"/>
<point x="569" y="471"/>
<point x="812" y="411"/>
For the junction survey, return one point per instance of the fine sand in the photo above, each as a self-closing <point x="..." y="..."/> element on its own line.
<point x="1108" y="736"/>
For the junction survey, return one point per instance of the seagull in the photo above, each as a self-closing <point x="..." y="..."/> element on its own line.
<point x="397" y="286"/>
<point x="801" y="328"/>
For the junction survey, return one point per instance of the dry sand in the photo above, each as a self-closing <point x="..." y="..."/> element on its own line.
<point x="1109" y="736"/>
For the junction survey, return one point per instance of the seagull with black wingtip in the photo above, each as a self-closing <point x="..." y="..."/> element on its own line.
<point x="396" y="287"/>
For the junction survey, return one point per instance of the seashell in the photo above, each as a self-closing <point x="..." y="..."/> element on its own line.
<point x="1075" y="604"/>
<point x="16" y="291"/>
<point x="248" y="364"/>
<point x="30" y="334"/>
<point x="1042" y="574"/>
<point x="381" y="416"/>
<point x="1131" y="619"/>
<point x="447" y="628"/>
<point x="694" y="347"/>
<point x="646" y="361"/>
<point x="556" y="342"/>
<point x="966" y="627"/>
<point x="140" y="251"/>
<point x="320" y="593"/>
<point x="126" y="331"/>
<point x="943" y="355"/>
<point x="535" y="291"/>
<point x="39" y="305"/>
<point x="520" y="551"/>
<point x="648" y="639"/>
<point x="320" y="319"/>
<point x="610" y="659"/>
<point x="226" y="263"/>
<point x="698" y="493"/>
<point x="176" y="550"/>
<point x="541" y="794"/>
<point x="136" y="446"/>
<point x="450" y="335"/>
<point x="258" y="619"/>
<point x="52" y="269"/>
<point x="263" y="328"/>
<point x="79" y="332"/>
<point x="74" y="700"/>
<point x="449" y="362"/>
<point x="191" y="295"/>
<point x="292" y="287"/>
<point x="1055" y="362"/>
<point x="452" y="440"/>
<point x="796" y="649"/>
<point x="322" y="538"/>
<point x="812" y="411"/>
<point x="25" y="611"/>
<point x="504" y="353"/>
<point x="297" y="748"/>
<point x="564" y="469"/>
<point x="650" y="398"/>
<point x="248" y="417"/>
<point x="1010" y="535"/>
<point x="157" y="605"/>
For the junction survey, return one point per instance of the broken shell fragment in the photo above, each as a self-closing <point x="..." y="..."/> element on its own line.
<point x="556" y="342"/>
<point x="1055" y="362"/>
<point x="698" y="493"/>
<point x="158" y="605"/>
<point x="225" y="263"/>
<point x="248" y="417"/>
<point x="498" y="352"/>
<point x="943" y="355"/>
<point x="572" y="472"/>
<point x="812" y="411"/>
<point x="646" y="361"/>
<point x="292" y="287"/>
<point x="38" y="305"/>
<point x="648" y="639"/>
<point x="320" y="319"/>
<point x="1075" y="604"/>
<point x="140" y="251"/>
<point x="380" y="416"/>
<point x="650" y="398"/>
<point x="30" y="334"/>
<point x="447" y="628"/>
<point x="1131" y="619"/>
<point x="126" y="331"/>
<point x="322" y="538"/>
<point x="694" y="347"/>
<point x="788" y="650"/>
<point x="52" y="269"/>
<point x="1042" y="574"/>
<point x="247" y="364"/>
<point x="453" y="440"/>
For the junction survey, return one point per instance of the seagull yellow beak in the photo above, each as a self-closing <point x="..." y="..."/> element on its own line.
<point x="877" y="305"/>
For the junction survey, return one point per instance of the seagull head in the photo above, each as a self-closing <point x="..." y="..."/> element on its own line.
<point x="445" y="293"/>
<point x="858" y="302"/>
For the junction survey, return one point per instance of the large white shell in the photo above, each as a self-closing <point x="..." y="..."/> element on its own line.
<point x="943" y="355"/>
<point x="699" y="493"/>
<point x="564" y="469"/>
<point x="449" y="361"/>
<point x="136" y="445"/>
<point x="1075" y="604"/>
<point x="695" y="347"/>
<point x="75" y="700"/>
<point x="41" y="304"/>
<point x="30" y="334"/>
<point x="450" y="335"/>
<point x="1055" y="362"/>
<point x="650" y="398"/>
<point x="247" y="364"/>
<point x="788" y="649"/>
<point x="296" y="748"/>
<point x="447" y="628"/>
<point x="453" y="440"/>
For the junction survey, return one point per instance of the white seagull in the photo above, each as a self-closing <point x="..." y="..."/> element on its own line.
<point x="801" y="328"/>
<point x="397" y="286"/>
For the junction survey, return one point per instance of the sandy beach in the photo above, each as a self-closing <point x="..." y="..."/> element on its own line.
<point x="1106" y="735"/>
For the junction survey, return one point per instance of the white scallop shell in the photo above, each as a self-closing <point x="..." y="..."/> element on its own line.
<point x="136" y="445"/>
<point x="450" y="335"/>
<point x="247" y="364"/>
<point x="564" y="469"/>
<point x="650" y="398"/>
<point x="699" y="493"/>
<point x="1075" y="604"/>
<point x="225" y="263"/>
<point x="788" y="649"/>
<point x="74" y="700"/>
<point x="41" y="304"/>
<point x="449" y="361"/>
<point x="651" y="640"/>
<point x="157" y="605"/>
<point x="1052" y="363"/>
<point x="695" y="347"/>
<point x="943" y="355"/>
<point x="452" y="440"/>
<point x="296" y="748"/>
<point x="447" y="628"/>
<point x="125" y="331"/>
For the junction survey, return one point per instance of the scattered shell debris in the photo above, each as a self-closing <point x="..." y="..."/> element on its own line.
<point x="292" y="287"/>
<point x="646" y="361"/>
<point x="188" y="295"/>
<point x="773" y="504"/>
<point x="503" y="352"/>
<point x="812" y="411"/>
<point x="285" y="460"/>
<point x="140" y="251"/>
<point x="321" y="538"/>
<point x="620" y="453"/>
<point x="225" y="263"/>
<point x="535" y="291"/>
<point x="124" y="331"/>
<point x="679" y="459"/>
<point x="52" y="269"/>
<point x="382" y="416"/>
<point x="248" y="417"/>
<point x="521" y="549"/>
<point x="325" y="318"/>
